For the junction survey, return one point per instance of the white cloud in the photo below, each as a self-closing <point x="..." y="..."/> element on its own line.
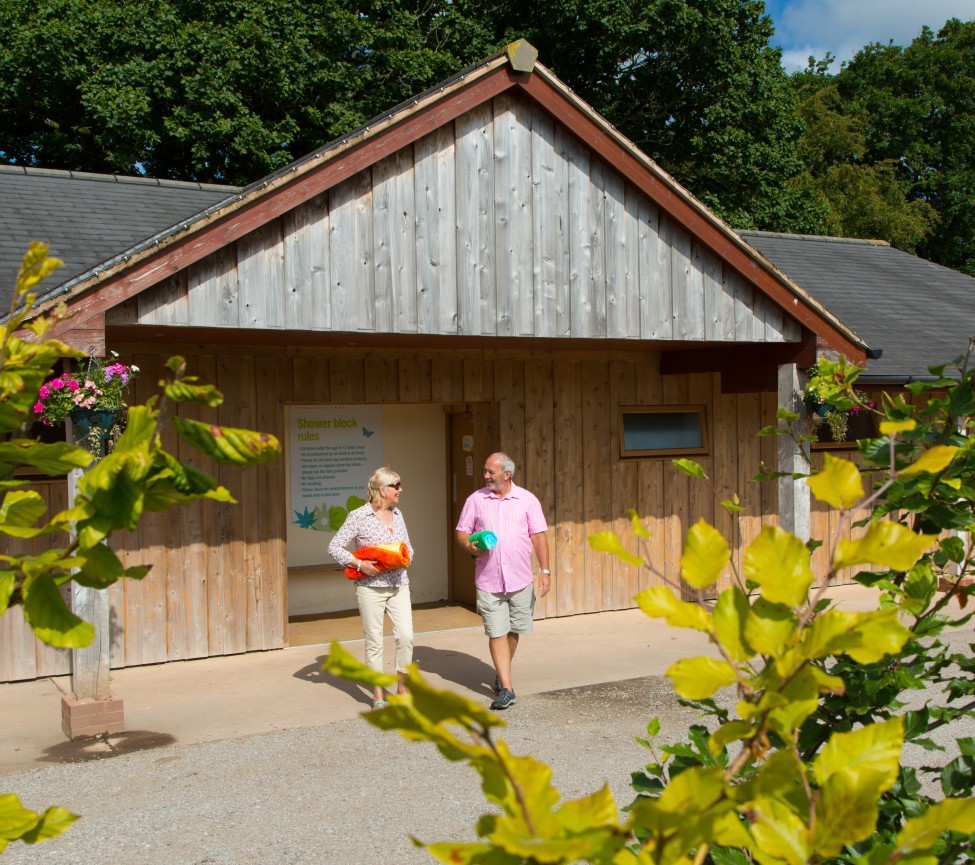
<point x="842" y="27"/>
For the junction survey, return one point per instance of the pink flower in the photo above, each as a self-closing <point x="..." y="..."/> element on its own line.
<point x="43" y="393"/>
<point x="57" y="384"/>
<point x="39" y="407"/>
<point x="73" y="385"/>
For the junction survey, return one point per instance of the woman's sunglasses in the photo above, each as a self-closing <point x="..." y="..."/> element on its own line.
<point x="397" y="486"/>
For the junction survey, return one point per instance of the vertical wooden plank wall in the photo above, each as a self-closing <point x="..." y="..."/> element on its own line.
<point x="219" y="578"/>
<point x="21" y="655"/>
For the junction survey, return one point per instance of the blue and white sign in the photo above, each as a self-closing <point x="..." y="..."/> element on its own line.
<point x="334" y="450"/>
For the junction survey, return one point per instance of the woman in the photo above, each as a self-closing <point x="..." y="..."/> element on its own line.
<point x="379" y="521"/>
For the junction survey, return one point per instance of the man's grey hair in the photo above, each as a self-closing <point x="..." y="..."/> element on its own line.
<point x="507" y="463"/>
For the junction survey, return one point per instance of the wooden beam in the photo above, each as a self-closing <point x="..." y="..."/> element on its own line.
<point x="741" y="365"/>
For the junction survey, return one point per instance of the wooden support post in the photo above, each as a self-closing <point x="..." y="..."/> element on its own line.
<point x="90" y="710"/>
<point x="794" y="499"/>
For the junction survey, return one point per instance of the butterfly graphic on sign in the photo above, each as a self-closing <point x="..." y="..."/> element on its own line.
<point x="367" y="432"/>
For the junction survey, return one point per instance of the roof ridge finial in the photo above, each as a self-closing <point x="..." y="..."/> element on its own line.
<point x="522" y="55"/>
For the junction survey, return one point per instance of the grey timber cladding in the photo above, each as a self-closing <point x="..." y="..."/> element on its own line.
<point x="499" y="224"/>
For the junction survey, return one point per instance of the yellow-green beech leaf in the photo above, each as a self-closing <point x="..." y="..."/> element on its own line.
<point x="828" y="684"/>
<point x="778" y="563"/>
<point x="933" y="461"/>
<point x="705" y="555"/>
<point x="838" y="484"/>
<point x="590" y="812"/>
<point x="638" y="528"/>
<point x="342" y="663"/>
<point x="869" y="756"/>
<point x="921" y="833"/>
<point x="582" y="847"/>
<point x="8" y="582"/>
<point x="770" y="700"/>
<point x="534" y="779"/>
<point x="691" y="792"/>
<point x="885" y="543"/>
<point x="779" y="832"/>
<point x="609" y="542"/>
<point x="56" y="458"/>
<point x="729" y="831"/>
<point x="733" y="731"/>
<point x="845" y="814"/>
<point x="440" y="706"/>
<point x="15" y="819"/>
<point x="20" y="823"/>
<point x="660" y="602"/>
<point x="462" y="854"/>
<point x="698" y="678"/>
<point x="49" y="616"/>
<point x="802" y="699"/>
<point x="865" y="637"/>
<point x="690" y="468"/>
<point x="771" y="629"/>
<point x="728" y="618"/>
<point x="21" y="508"/>
<point x="892" y="427"/>
<point x="776" y="779"/>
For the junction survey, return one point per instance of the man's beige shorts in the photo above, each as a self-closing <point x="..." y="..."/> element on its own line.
<point x="507" y="612"/>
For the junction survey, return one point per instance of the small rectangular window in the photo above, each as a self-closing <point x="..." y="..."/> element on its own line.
<point x="661" y="431"/>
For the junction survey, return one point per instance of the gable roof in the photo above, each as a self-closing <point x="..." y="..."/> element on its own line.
<point x="87" y="219"/>
<point x="916" y="312"/>
<point x="116" y="280"/>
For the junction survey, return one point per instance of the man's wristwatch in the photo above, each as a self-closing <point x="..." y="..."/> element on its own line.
<point x="547" y="572"/>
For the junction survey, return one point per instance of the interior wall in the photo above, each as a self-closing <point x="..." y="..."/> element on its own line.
<point x="415" y="446"/>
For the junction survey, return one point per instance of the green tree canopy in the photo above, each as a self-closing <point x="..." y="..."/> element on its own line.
<point x="890" y="143"/>
<point x="230" y="90"/>
<point x="695" y="83"/>
<point x="222" y="91"/>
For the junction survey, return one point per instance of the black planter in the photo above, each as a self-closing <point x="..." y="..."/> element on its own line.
<point x="96" y="422"/>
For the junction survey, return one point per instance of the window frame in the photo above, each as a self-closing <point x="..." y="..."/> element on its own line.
<point x="699" y="409"/>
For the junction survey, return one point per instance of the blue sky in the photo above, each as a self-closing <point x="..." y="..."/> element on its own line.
<point x="842" y="27"/>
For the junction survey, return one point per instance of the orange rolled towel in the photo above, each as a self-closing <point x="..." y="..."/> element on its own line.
<point x="387" y="557"/>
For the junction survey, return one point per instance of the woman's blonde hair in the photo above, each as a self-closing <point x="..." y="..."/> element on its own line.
<point x="381" y="478"/>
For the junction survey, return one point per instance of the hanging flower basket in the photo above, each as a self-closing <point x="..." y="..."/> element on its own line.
<point x="94" y="400"/>
<point x="831" y="403"/>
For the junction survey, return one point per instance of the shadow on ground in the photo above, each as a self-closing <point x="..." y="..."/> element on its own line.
<point x="105" y="746"/>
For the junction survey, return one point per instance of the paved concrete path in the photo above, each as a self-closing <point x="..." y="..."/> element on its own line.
<point x="261" y="759"/>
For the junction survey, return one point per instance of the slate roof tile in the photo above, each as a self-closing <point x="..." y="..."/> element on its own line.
<point x="919" y="313"/>
<point x="86" y="218"/>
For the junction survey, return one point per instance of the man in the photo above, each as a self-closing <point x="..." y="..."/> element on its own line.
<point x="503" y="575"/>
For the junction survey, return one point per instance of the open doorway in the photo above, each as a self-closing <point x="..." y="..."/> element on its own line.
<point x="465" y="477"/>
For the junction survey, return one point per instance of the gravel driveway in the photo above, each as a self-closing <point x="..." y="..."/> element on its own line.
<point x="339" y="793"/>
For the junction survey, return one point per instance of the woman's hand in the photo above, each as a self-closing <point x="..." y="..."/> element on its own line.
<point x="367" y="567"/>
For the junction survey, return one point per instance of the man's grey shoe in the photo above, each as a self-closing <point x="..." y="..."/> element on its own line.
<point x="504" y="699"/>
